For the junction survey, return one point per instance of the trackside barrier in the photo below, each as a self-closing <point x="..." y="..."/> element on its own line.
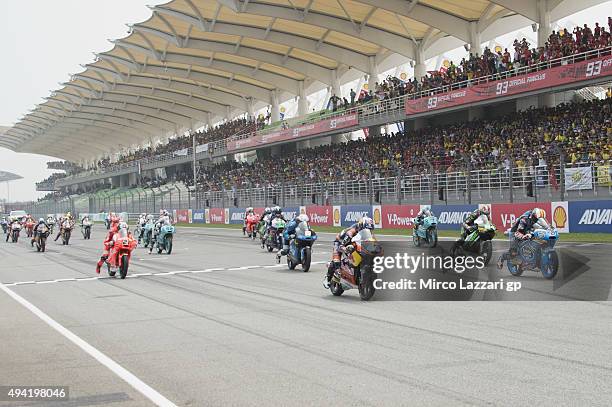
<point x="575" y="216"/>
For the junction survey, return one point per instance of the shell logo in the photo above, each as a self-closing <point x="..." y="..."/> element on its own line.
<point x="336" y="215"/>
<point x="560" y="217"/>
<point x="303" y="211"/>
<point x="226" y="213"/>
<point x="282" y="109"/>
<point x="403" y="76"/>
<point x="498" y="48"/>
<point x="446" y="63"/>
<point x="365" y="86"/>
<point x="377" y="216"/>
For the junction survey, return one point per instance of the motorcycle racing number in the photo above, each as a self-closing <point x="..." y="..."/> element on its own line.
<point x="307" y="233"/>
<point x="502" y="88"/>
<point x="593" y="69"/>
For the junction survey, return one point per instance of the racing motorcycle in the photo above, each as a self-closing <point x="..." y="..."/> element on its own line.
<point x="29" y="226"/>
<point x="536" y="253"/>
<point x="261" y="229"/>
<point x="426" y="232"/>
<point x="51" y="223"/>
<point x="40" y="240"/>
<point x="251" y="225"/>
<point x="4" y="224"/>
<point x="86" y="229"/>
<point x="164" y="239"/>
<point x="275" y="235"/>
<point x="356" y="267"/>
<point x="14" y="233"/>
<point x="478" y="241"/>
<point x="121" y="253"/>
<point x="300" y="247"/>
<point x="66" y="231"/>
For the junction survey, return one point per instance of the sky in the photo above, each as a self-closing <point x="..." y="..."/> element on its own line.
<point x="44" y="41"/>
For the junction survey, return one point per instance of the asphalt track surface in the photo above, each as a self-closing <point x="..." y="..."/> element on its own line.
<point x="224" y="325"/>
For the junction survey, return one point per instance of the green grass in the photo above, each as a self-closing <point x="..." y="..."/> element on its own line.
<point x="568" y="237"/>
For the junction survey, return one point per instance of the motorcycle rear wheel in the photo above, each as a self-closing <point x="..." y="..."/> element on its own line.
<point x="486" y="251"/>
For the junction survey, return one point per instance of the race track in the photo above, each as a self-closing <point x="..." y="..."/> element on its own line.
<point x="224" y="325"/>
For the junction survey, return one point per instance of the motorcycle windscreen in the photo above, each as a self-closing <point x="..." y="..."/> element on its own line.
<point x="303" y="229"/>
<point x="122" y="234"/>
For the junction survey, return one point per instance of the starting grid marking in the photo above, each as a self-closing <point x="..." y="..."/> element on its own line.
<point x="136" y="275"/>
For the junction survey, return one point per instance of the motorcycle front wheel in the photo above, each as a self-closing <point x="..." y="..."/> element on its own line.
<point x="432" y="237"/>
<point x="550" y="270"/>
<point x="336" y="289"/>
<point x="169" y="244"/>
<point x="125" y="263"/>
<point x="486" y="251"/>
<point x="306" y="258"/>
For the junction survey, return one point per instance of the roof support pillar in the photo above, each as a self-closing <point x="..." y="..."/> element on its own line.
<point x="302" y="101"/>
<point x="275" y="106"/>
<point x="373" y="73"/>
<point x="209" y="120"/>
<point x="335" y="82"/>
<point x="420" y="70"/>
<point x="251" y="108"/>
<point x="475" y="38"/>
<point x="543" y="22"/>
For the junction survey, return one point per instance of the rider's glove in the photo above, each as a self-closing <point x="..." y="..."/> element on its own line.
<point x="346" y="240"/>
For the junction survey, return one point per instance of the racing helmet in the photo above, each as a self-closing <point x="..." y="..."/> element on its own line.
<point x="249" y="209"/>
<point x="485" y="210"/>
<point x="365" y="223"/>
<point x="302" y="217"/>
<point x="267" y="210"/>
<point x="537" y="213"/>
<point x="41" y="220"/>
<point x="277" y="209"/>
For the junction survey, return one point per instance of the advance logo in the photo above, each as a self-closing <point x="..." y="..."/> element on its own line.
<point x="354" y="216"/>
<point x="596" y="217"/>
<point x="590" y="216"/>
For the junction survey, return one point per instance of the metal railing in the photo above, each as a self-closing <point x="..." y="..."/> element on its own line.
<point x="503" y="184"/>
<point x="377" y="108"/>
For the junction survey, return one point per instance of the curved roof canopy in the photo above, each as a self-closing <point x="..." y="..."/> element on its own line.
<point x="6" y="176"/>
<point x="195" y="62"/>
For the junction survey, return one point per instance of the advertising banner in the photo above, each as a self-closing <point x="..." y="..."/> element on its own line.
<point x="182" y="216"/>
<point x="350" y="214"/>
<point x="450" y="217"/>
<point x="235" y="216"/>
<point x="604" y="175"/>
<point x="399" y="216"/>
<point x="216" y="215"/>
<point x="560" y="216"/>
<point x="198" y="215"/>
<point x="578" y="178"/>
<point x="303" y="130"/>
<point x="206" y="215"/>
<point x="190" y="215"/>
<point x="291" y="212"/>
<point x="590" y="216"/>
<point x="337" y="216"/>
<point x="226" y="216"/>
<point x="505" y="214"/>
<point x="320" y="215"/>
<point x="560" y="75"/>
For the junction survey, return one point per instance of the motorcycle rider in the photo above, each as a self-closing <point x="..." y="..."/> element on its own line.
<point x="522" y="229"/>
<point x="4" y="224"/>
<point x="40" y="223"/>
<point x="290" y="230"/>
<point x="247" y="212"/>
<point x="142" y="220"/>
<point x="114" y="227"/>
<point x="469" y="224"/>
<point x="63" y="219"/>
<point x="164" y="219"/>
<point x="423" y="213"/>
<point x="10" y="227"/>
<point x="343" y="239"/>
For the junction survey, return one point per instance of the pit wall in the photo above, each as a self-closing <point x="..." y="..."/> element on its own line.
<point x="573" y="216"/>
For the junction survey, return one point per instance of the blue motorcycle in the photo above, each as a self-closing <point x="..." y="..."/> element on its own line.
<point x="300" y="247"/>
<point x="537" y="254"/>
<point x="426" y="232"/>
<point x="164" y="239"/>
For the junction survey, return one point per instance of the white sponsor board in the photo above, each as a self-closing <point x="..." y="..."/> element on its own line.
<point x="578" y="178"/>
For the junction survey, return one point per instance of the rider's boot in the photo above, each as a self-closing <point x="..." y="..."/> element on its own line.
<point x="100" y="264"/>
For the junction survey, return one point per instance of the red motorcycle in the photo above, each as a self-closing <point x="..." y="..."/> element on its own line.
<point x="123" y="244"/>
<point x="29" y="226"/>
<point x="251" y="225"/>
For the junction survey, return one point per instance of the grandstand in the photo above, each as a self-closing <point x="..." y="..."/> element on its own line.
<point x="197" y="90"/>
